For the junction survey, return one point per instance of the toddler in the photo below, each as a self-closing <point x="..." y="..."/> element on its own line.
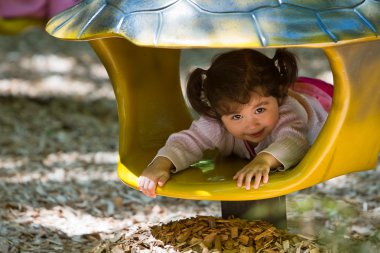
<point x="249" y="105"/>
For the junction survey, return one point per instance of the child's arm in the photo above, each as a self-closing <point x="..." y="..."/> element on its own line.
<point x="258" y="168"/>
<point x="180" y="151"/>
<point x="187" y="146"/>
<point x="158" y="172"/>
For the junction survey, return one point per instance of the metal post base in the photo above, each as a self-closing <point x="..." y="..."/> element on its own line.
<point x="271" y="210"/>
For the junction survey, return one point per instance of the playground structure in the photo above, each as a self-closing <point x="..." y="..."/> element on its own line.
<point x="140" y="44"/>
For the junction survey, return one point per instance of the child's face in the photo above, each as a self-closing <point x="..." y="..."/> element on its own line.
<point x="255" y="120"/>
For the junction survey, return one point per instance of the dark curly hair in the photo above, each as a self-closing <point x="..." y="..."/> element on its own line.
<point x="232" y="76"/>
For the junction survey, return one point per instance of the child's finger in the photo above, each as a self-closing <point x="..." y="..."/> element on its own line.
<point x="141" y="182"/>
<point x="146" y="184"/>
<point x="239" y="180"/>
<point x="266" y="177"/>
<point x="257" y="180"/>
<point x="145" y="188"/>
<point x="142" y="185"/>
<point x="237" y="175"/>
<point x="151" y="185"/>
<point x="248" y="180"/>
<point x="162" y="180"/>
<point x="151" y="188"/>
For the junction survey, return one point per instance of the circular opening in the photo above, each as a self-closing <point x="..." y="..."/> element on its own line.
<point x="312" y="63"/>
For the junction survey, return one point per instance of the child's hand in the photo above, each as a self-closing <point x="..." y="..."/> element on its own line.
<point x="258" y="168"/>
<point x="156" y="173"/>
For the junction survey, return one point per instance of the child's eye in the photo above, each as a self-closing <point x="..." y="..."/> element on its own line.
<point x="259" y="110"/>
<point x="236" y="117"/>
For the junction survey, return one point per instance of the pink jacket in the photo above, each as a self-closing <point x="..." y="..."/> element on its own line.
<point x="301" y="119"/>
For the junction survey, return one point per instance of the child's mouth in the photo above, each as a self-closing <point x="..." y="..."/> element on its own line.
<point x="258" y="134"/>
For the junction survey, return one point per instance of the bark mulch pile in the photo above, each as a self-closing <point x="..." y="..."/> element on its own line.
<point x="210" y="234"/>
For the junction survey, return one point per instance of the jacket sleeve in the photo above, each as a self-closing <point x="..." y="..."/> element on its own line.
<point x="186" y="147"/>
<point x="289" y="142"/>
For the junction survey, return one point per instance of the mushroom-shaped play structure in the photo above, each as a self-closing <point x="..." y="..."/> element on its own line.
<point x="140" y="43"/>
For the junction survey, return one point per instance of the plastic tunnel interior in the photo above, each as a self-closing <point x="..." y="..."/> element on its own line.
<point x="151" y="107"/>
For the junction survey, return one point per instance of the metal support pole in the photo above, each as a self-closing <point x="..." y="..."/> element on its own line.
<point x="271" y="210"/>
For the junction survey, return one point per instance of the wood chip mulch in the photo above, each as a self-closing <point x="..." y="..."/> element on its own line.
<point x="206" y="234"/>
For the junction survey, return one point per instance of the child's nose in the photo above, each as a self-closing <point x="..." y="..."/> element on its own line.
<point x="252" y="123"/>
